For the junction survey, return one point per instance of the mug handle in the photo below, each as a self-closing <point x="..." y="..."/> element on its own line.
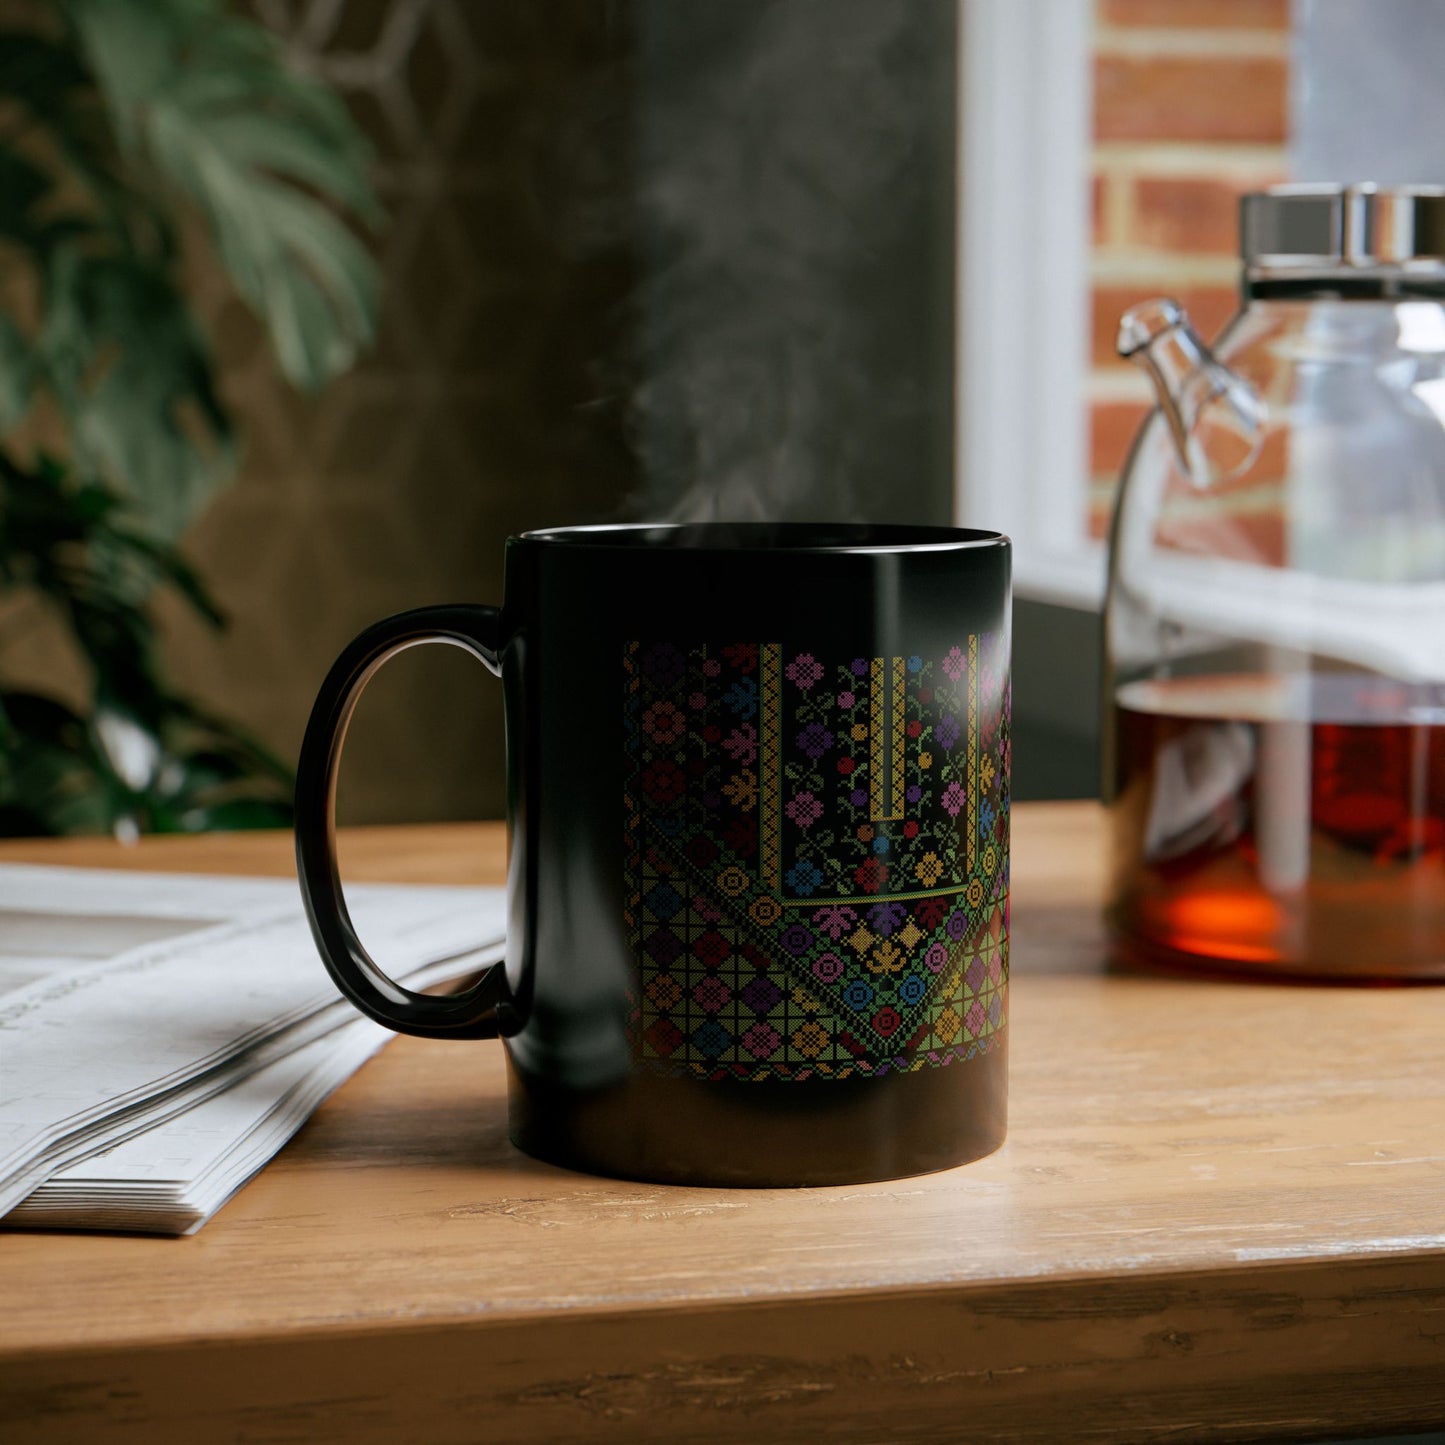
<point x="471" y="1014"/>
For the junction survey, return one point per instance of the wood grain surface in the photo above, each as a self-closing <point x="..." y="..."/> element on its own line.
<point x="1220" y="1214"/>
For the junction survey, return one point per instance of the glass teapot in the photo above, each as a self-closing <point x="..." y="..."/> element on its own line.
<point x="1275" y="624"/>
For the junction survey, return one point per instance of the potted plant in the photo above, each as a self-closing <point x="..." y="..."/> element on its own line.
<point x="128" y="130"/>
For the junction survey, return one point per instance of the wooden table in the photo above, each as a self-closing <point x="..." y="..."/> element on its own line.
<point x="1220" y="1213"/>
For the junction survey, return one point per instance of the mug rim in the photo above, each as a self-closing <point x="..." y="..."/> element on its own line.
<point x="766" y="537"/>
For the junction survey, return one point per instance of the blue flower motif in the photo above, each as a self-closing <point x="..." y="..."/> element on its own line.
<point x="915" y="663"/>
<point x="985" y="818"/>
<point x="803" y="877"/>
<point x="663" y="901"/>
<point x="711" y="1038"/>
<point x="742" y="697"/>
<point x="911" y="990"/>
<point x="881" y="845"/>
<point x="858" y="995"/>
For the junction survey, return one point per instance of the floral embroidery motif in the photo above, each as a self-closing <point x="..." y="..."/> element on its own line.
<point x="815" y="857"/>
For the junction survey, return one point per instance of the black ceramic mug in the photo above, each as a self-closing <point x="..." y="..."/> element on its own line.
<point x="758" y="880"/>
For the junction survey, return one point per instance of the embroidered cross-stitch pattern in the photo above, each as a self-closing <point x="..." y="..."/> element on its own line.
<point x="817" y="874"/>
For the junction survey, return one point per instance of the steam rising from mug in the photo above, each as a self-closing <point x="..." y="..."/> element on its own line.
<point x="790" y="335"/>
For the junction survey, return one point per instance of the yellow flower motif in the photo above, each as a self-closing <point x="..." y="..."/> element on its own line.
<point x="860" y="731"/>
<point x="929" y="870"/>
<point x="974" y="895"/>
<point x="948" y="1024"/>
<point x="910" y="935"/>
<point x="887" y="958"/>
<point x="985" y="775"/>
<point x="743" y="789"/>
<point x="805" y="1000"/>
<point x="663" y="991"/>
<point x="732" y="881"/>
<point x="861" y="941"/>
<point x="925" y="760"/>
<point x="811" y="1039"/>
<point x="765" y="911"/>
<point x="990" y="859"/>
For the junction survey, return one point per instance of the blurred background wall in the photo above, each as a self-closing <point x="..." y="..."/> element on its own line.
<point x="644" y="258"/>
<point x="482" y="411"/>
<point x="675" y="258"/>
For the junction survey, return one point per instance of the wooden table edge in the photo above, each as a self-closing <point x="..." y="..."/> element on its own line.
<point x="1179" y="1349"/>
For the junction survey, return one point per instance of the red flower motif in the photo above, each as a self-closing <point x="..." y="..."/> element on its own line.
<point x="711" y="948"/>
<point x="910" y="829"/>
<point x="742" y="655"/>
<point x="664" y="1036"/>
<point x="887" y="1020"/>
<point x="741" y="835"/>
<point x="930" y="912"/>
<point x="871" y="875"/>
<point x="663" y="722"/>
<point x="663" y="781"/>
<point x="846" y="766"/>
<point x="914" y="728"/>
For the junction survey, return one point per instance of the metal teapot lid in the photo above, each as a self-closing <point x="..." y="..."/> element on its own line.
<point x="1314" y="228"/>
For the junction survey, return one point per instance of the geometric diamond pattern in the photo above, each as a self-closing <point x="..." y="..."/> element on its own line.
<point x="816" y="864"/>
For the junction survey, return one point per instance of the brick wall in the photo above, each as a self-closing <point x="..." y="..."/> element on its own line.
<point x="1190" y="110"/>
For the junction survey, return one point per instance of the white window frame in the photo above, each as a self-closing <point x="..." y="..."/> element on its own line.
<point x="1021" y="444"/>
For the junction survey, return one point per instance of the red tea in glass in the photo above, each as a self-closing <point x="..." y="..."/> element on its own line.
<point x="1281" y="824"/>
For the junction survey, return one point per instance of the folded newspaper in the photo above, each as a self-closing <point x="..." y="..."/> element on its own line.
<point x="161" y="1036"/>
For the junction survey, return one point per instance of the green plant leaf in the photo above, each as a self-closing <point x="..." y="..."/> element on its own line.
<point x="22" y="186"/>
<point x="207" y="99"/>
<point x="112" y="117"/>
<point x="133" y="375"/>
<point x="17" y="369"/>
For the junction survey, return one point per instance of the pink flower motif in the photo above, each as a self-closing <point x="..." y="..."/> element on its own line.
<point x="805" y="670"/>
<point x="846" y="699"/>
<point x="712" y="993"/>
<point x="741" y="745"/>
<point x="697" y="701"/>
<point x="712" y="667"/>
<point x="953" y="799"/>
<point x="953" y="664"/>
<point x="705" y="910"/>
<point x="761" y="1040"/>
<point x="804" y="810"/>
<point x="835" y="921"/>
